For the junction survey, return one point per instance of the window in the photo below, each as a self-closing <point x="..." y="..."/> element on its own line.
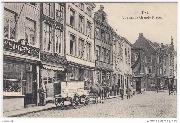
<point x="58" y="41"/>
<point x="89" y="12"/>
<point x="30" y="31"/>
<point x="164" y="71"/>
<point x="103" y="35"/>
<point x="59" y="13"/>
<point x="48" y="37"/>
<point x="97" y="33"/>
<point x="81" y="23"/>
<point x="88" y="51"/>
<point x="88" y="29"/>
<point x="103" y="18"/>
<point x="97" y="52"/>
<point x="48" y="9"/>
<point x="104" y="55"/>
<point x="81" y="5"/>
<point x="15" y="77"/>
<point x="9" y="25"/>
<point x="72" y="44"/>
<point x="170" y="62"/>
<point x="107" y="37"/>
<point x="125" y="51"/>
<point x="81" y="48"/>
<point x="160" y="60"/>
<point x="34" y="4"/>
<point x="72" y="18"/>
<point x="150" y="70"/>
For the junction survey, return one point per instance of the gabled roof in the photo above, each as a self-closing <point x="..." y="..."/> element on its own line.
<point x="152" y="44"/>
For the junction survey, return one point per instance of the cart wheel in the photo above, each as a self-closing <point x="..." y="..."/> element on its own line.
<point x="87" y="100"/>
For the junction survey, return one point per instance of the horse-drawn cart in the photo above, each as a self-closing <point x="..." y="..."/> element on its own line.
<point x="72" y="94"/>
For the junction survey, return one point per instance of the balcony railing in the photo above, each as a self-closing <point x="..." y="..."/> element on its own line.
<point x="17" y="47"/>
<point x="104" y="65"/>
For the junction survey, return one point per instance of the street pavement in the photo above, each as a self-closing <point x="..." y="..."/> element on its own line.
<point x="147" y="105"/>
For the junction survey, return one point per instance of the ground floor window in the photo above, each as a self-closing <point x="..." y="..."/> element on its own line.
<point x="18" y="77"/>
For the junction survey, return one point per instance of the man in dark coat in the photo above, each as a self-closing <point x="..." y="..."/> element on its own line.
<point x="128" y="92"/>
<point x="121" y="92"/>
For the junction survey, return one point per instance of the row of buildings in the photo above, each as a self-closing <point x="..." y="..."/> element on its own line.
<point x="47" y="43"/>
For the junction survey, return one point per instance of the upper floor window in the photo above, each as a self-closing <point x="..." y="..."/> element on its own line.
<point x="48" y="37"/>
<point x="89" y="29"/>
<point x="34" y="4"/>
<point x="81" y="48"/>
<point x="58" y="40"/>
<point x="170" y="62"/>
<point x="30" y="29"/>
<point x="72" y="17"/>
<point x="48" y="9"/>
<point x="97" y="33"/>
<point x="81" y="5"/>
<point x="88" y="51"/>
<point x="125" y="51"/>
<point x="97" y="52"/>
<point x="103" y="35"/>
<point x="9" y="25"/>
<point x="107" y="37"/>
<point x="72" y="44"/>
<point x="89" y="11"/>
<point x="81" y="23"/>
<point x="59" y="13"/>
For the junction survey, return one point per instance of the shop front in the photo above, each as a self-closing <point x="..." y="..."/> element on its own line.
<point x="51" y="78"/>
<point x="79" y="73"/>
<point x="20" y="84"/>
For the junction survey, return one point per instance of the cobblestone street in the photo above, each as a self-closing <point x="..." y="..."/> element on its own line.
<point x="147" y="105"/>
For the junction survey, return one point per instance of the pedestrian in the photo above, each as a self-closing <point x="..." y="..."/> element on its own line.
<point x="128" y="92"/>
<point x="157" y="89"/>
<point x="121" y="92"/>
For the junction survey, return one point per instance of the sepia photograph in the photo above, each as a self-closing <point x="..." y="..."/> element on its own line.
<point x="89" y="60"/>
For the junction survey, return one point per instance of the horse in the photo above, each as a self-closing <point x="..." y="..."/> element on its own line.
<point x="97" y="92"/>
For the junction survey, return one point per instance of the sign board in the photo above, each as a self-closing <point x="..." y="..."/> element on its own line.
<point x="70" y="88"/>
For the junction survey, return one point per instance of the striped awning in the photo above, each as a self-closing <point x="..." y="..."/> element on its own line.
<point x="50" y="67"/>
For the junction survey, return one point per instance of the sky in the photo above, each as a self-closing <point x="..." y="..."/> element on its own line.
<point x="161" y="25"/>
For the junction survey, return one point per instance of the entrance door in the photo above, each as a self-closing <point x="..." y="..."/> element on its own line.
<point x="29" y="93"/>
<point x="138" y="86"/>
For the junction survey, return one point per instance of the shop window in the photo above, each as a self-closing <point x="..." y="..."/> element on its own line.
<point x="81" y="23"/>
<point x="9" y="25"/>
<point x="72" y="44"/>
<point x="14" y="78"/>
<point x="30" y="31"/>
<point x="72" y="17"/>
<point x="58" y="40"/>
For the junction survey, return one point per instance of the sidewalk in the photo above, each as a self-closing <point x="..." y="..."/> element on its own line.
<point x="35" y="109"/>
<point x="28" y="110"/>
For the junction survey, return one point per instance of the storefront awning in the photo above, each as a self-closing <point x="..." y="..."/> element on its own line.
<point x="53" y="68"/>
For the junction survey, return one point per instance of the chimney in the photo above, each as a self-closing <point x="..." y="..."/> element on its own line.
<point x="171" y="40"/>
<point x="101" y="7"/>
<point x="140" y="34"/>
<point x="161" y="44"/>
